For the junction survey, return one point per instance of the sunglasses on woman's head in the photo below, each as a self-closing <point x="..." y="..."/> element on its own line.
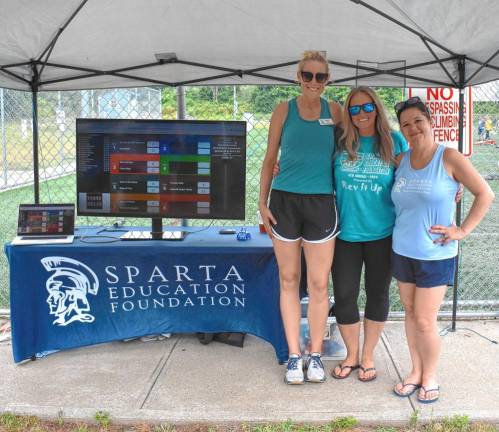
<point x="367" y="108"/>
<point x="320" y="77"/>
<point x="415" y="100"/>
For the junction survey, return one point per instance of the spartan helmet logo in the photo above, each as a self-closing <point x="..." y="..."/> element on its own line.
<point x="68" y="287"/>
<point x="401" y="182"/>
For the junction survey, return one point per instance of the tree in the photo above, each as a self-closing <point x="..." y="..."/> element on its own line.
<point x="390" y="96"/>
<point x="264" y="99"/>
<point x="217" y="101"/>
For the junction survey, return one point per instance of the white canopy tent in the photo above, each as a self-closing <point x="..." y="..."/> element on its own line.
<point x="90" y="44"/>
<point x="83" y="44"/>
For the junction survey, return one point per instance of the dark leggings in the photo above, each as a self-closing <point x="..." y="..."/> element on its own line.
<point x="347" y="268"/>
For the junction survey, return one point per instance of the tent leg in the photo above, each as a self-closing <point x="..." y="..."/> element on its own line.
<point x="36" y="174"/>
<point x="461" y="66"/>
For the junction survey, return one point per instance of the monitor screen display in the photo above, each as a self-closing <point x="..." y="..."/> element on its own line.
<point x="161" y="168"/>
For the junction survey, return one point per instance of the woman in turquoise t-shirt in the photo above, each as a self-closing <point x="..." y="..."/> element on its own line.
<point x="363" y="176"/>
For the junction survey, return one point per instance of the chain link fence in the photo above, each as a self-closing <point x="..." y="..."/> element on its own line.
<point x="478" y="282"/>
<point x="478" y="275"/>
<point x="57" y="112"/>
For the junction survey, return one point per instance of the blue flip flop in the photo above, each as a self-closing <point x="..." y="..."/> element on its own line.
<point x="403" y="394"/>
<point x="427" y="401"/>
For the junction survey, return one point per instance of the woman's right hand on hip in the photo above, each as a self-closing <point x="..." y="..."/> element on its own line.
<point x="268" y="219"/>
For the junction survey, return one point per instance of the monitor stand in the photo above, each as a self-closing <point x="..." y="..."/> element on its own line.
<point x="156" y="233"/>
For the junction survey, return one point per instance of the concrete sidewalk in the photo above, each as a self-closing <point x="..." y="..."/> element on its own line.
<point x="179" y="380"/>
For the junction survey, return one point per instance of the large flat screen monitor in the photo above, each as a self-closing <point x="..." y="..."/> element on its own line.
<point x="161" y="168"/>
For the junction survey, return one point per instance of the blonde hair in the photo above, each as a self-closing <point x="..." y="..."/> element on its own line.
<point x="313" y="56"/>
<point x="350" y="141"/>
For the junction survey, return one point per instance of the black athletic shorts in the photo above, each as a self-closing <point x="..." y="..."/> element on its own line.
<point x="308" y="217"/>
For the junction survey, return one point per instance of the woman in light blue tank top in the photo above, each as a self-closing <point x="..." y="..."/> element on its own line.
<point x="425" y="238"/>
<point x="301" y="209"/>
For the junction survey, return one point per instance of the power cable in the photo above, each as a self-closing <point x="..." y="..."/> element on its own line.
<point x="448" y="330"/>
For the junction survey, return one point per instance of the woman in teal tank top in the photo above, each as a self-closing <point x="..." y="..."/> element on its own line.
<point x="301" y="210"/>
<point x="425" y="238"/>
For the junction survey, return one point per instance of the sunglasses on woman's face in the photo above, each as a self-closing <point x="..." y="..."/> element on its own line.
<point x="367" y="108"/>
<point x="320" y="77"/>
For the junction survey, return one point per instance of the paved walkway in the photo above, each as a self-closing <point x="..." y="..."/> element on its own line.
<point x="179" y="380"/>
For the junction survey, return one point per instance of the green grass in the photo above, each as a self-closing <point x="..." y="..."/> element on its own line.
<point x="414" y="419"/>
<point x="103" y="419"/>
<point x="13" y="423"/>
<point x="458" y="423"/>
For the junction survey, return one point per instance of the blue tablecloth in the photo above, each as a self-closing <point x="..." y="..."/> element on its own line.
<point x="65" y="296"/>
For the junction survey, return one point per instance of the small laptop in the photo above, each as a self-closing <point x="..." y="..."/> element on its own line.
<point x="45" y="224"/>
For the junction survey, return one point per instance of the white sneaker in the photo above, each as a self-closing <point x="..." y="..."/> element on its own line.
<point x="315" y="369"/>
<point x="294" y="371"/>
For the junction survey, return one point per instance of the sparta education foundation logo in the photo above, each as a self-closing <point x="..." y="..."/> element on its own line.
<point x="68" y="287"/>
<point x="400" y="183"/>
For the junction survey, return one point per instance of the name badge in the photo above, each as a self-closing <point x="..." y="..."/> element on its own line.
<point x="326" y="122"/>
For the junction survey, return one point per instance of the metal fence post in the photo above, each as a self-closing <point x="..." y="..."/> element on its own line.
<point x="180" y="102"/>
<point x="60" y="117"/>
<point x="4" y="138"/>
<point x="235" y="104"/>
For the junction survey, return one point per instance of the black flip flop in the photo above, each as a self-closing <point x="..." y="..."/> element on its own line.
<point x="337" y="376"/>
<point x="363" y="369"/>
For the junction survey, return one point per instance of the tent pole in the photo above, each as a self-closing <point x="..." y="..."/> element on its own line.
<point x="181" y="116"/>
<point x="48" y="50"/>
<point x="486" y="63"/>
<point x="441" y="63"/>
<point x="400" y="24"/>
<point x="462" y="89"/>
<point x="389" y="72"/>
<point x="34" y="101"/>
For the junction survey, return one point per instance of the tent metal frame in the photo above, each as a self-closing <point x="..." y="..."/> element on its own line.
<point x="38" y="66"/>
